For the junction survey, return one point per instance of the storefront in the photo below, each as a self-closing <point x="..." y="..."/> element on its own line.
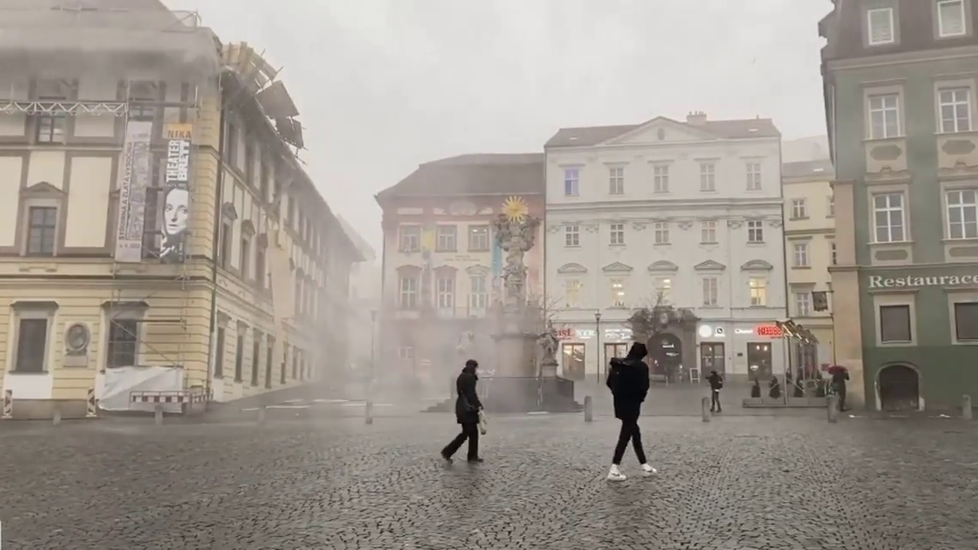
<point x="583" y="354"/>
<point x="741" y="351"/>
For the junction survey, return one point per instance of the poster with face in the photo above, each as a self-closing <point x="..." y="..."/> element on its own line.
<point x="176" y="197"/>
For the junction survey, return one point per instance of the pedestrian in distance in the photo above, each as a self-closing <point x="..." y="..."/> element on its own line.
<point x="628" y="380"/>
<point x="716" y="384"/>
<point x="467" y="408"/>
<point x="840" y="375"/>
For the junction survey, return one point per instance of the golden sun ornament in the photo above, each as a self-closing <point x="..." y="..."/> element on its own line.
<point x="515" y="209"/>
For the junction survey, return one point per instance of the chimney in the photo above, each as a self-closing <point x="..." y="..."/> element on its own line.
<point x="696" y="118"/>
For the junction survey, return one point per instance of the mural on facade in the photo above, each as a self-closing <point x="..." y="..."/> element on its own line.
<point x="134" y="175"/>
<point x="176" y="198"/>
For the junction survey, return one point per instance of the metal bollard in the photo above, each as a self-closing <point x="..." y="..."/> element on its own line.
<point x="57" y="416"/>
<point x="966" y="407"/>
<point x="261" y="415"/>
<point x="588" y="409"/>
<point x="158" y="414"/>
<point x="368" y="412"/>
<point x="705" y="408"/>
<point x="833" y="408"/>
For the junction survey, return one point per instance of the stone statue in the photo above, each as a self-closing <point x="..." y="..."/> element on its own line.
<point x="515" y="236"/>
<point x="548" y="343"/>
<point x="464" y="344"/>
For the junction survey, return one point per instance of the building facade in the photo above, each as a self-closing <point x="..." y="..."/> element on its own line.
<point x="809" y="232"/>
<point x="152" y="239"/>
<point x="441" y="267"/>
<point x="900" y="99"/>
<point x="681" y="213"/>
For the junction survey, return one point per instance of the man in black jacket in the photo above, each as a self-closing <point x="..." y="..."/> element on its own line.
<point x="716" y="384"/>
<point x="628" y="380"/>
<point x="467" y="407"/>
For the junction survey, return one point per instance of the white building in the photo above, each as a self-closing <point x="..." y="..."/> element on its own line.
<point x="691" y="210"/>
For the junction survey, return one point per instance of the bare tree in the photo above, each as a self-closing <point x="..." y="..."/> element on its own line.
<point x="657" y="317"/>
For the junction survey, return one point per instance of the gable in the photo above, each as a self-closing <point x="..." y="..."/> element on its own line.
<point x="616" y="267"/>
<point x="663" y="266"/>
<point x="757" y="265"/>
<point x="709" y="265"/>
<point x="661" y="130"/>
<point x="571" y="268"/>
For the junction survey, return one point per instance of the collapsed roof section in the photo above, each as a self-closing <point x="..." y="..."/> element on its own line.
<point x="53" y="38"/>
<point x="257" y="76"/>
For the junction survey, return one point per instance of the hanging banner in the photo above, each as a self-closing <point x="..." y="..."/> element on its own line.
<point x="134" y="179"/>
<point x="176" y="194"/>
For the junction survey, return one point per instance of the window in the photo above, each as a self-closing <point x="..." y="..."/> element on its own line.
<point x="617" y="292"/>
<point x="711" y="291"/>
<point x="245" y="257"/>
<point x="573" y="364"/>
<point x="32" y="340"/>
<point x="803" y="304"/>
<point x="966" y="321"/>
<point x="835" y="260"/>
<point x="895" y="323"/>
<point x="758" y="291"/>
<point x="660" y="178"/>
<point x="479" y="295"/>
<point x="300" y="304"/>
<point x="884" y="116"/>
<point x="755" y="231"/>
<point x="405" y="353"/>
<point x="617" y="233"/>
<point x="962" y="214"/>
<point x="226" y="234"/>
<point x="661" y="232"/>
<point x="478" y="238"/>
<point x="572" y="235"/>
<point x="571" y="180"/>
<point x="142" y="95"/>
<point x="753" y="176"/>
<point x="51" y="128"/>
<point x="830" y="207"/>
<point x="663" y="290"/>
<point x="122" y="344"/>
<point x="41" y="230"/>
<point x="260" y="273"/>
<point x="800" y="254"/>
<point x="296" y="354"/>
<point x="219" y="352"/>
<point x="888" y="217"/>
<point x="616" y="181"/>
<point x="269" y="354"/>
<point x="255" y="357"/>
<point x="950" y="18"/>
<point x="955" y="104"/>
<point x="445" y="238"/>
<point x="708" y="176"/>
<point x="264" y="175"/>
<point x="572" y="292"/>
<point x="410" y="238"/>
<point x="283" y="374"/>
<point x="408" y="295"/>
<point x="708" y="232"/>
<point x="445" y="290"/>
<point x="880" y="23"/>
<point x="807" y="356"/>
<point x="239" y="355"/>
<point x="231" y="149"/>
<point x="799" y="209"/>
<point x="249" y="167"/>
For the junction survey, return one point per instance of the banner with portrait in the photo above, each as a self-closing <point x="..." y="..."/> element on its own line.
<point x="135" y="172"/>
<point x="176" y="193"/>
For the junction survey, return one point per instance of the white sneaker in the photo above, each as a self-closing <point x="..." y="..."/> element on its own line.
<point x="648" y="470"/>
<point x="615" y="474"/>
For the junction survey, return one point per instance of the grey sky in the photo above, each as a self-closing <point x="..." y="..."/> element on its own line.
<point x="384" y="85"/>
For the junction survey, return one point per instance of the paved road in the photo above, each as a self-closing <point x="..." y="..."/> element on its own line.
<point x="735" y="483"/>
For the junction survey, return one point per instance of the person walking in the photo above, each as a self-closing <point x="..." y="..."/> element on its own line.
<point x="716" y="383"/>
<point x="840" y="376"/>
<point x="467" y="407"/>
<point x="628" y="380"/>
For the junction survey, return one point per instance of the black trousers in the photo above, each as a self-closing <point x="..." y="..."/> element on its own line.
<point x="470" y="432"/>
<point x="715" y="402"/>
<point x="840" y="390"/>
<point x="629" y="431"/>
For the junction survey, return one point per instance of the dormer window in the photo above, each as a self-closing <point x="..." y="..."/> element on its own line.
<point x="880" y="23"/>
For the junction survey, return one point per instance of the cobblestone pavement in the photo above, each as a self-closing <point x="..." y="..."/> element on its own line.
<point x="735" y="483"/>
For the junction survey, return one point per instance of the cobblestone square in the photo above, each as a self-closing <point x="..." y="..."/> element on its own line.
<point x="742" y="483"/>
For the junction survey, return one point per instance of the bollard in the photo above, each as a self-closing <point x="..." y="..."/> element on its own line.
<point x="57" y="416"/>
<point x="705" y="408"/>
<point x="8" y="404"/>
<point x="588" y="409"/>
<point x="261" y="415"/>
<point x="832" y="405"/>
<point x="158" y="414"/>
<point x="966" y="407"/>
<point x="368" y="412"/>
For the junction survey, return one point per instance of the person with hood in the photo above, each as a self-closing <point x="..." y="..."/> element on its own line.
<point x="628" y="380"/>
<point x="467" y="407"/>
<point x="716" y="384"/>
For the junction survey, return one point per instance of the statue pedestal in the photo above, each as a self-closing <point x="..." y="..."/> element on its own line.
<point x="548" y="369"/>
<point x="515" y="351"/>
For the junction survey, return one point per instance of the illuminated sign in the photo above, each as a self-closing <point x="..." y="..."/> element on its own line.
<point x="769" y="331"/>
<point x="876" y="281"/>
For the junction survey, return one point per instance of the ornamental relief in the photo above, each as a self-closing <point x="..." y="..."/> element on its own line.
<point x="639" y="226"/>
<point x="685" y="224"/>
<point x="775" y="222"/>
<point x="591" y="227"/>
<point x="735" y="224"/>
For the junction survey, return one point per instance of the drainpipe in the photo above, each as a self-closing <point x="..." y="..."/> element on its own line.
<point x="219" y="194"/>
<point x="786" y="342"/>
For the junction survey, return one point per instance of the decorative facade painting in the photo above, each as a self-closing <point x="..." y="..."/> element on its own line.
<point x="176" y="194"/>
<point x="134" y="177"/>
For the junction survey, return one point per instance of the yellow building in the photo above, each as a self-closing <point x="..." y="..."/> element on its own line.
<point x="158" y="235"/>
<point x="809" y="232"/>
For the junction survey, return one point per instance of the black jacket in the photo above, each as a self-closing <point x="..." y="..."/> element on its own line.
<point x="715" y="380"/>
<point x="467" y="403"/>
<point x="628" y="380"/>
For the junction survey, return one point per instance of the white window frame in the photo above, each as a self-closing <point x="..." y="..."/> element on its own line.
<point x="572" y="236"/>
<point x="755" y="180"/>
<point x="800" y="254"/>
<point x="957" y="123"/>
<point x="664" y="288"/>
<point x="890" y="210"/>
<point x="755" y="231"/>
<point x="660" y="232"/>
<point x="711" y="291"/>
<point x="572" y="182"/>
<point x="884" y="110"/>
<point x="799" y="209"/>
<point x="572" y="293"/>
<point x="660" y="178"/>
<point x="409" y="233"/>
<point x="708" y="177"/>
<point x="940" y="19"/>
<point x="405" y="353"/>
<point x="445" y="292"/>
<point x="478" y="293"/>
<point x="616" y="234"/>
<point x="618" y="288"/>
<point x="408" y="298"/>
<point x="897" y="299"/>
<point x="967" y="230"/>
<point x="757" y="291"/>
<point x="708" y="232"/>
<point x="803" y="304"/>
<point x="616" y="180"/>
<point x="479" y="238"/>
<point x="446" y="238"/>
<point x="31" y="313"/>
<point x="891" y="21"/>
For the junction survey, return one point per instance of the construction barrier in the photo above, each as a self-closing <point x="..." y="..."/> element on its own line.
<point x="167" y="397"/>
<point x="8" y="404"/>
<point x="91" y="404"/>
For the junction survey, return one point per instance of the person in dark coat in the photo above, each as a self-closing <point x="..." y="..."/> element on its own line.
<point x="628" y="380"/>
<point x="839" y="378"/>
<point x="716" y="384"/>
<point x="467" y="407"/>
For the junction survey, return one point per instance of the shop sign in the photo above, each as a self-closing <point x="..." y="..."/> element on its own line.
<point x="586" y="333"/>
<point x="618" y="334"/>
<point x="770" y="331"/>
<point x="565" y="333"/>
<point x="706" y="331"/>
<point x="877" y="281"/>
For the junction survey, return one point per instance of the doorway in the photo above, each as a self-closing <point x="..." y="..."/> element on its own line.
<point x="899" y="387"/>
<point x="573" y="361"/>
<point x="759" y="360"/>
<point x="712" y="357"/>
<point x="611" y="351"/>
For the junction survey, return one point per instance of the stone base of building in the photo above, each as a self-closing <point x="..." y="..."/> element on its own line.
<point x="45" y="409"/>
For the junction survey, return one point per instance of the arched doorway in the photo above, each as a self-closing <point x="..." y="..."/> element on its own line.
<point x="899" y="388"/>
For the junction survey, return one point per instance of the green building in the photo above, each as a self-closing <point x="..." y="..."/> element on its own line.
<point x="900" y="79"/>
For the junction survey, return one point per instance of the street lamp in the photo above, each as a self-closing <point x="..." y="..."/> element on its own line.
<point x="373" y="331"/>
<point x="597" y="330"/>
